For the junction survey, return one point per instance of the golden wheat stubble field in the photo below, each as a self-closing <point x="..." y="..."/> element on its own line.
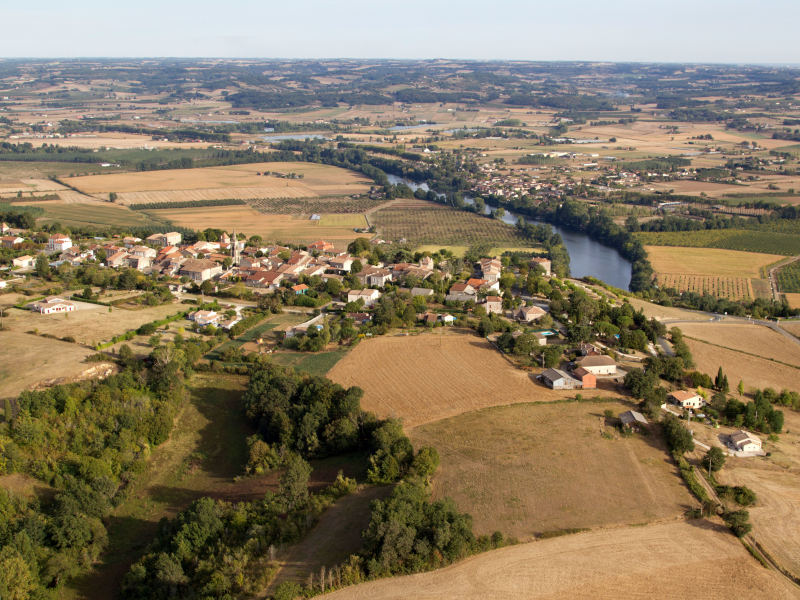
<point x="750" y="338"/>
<point x="237" y="181"/>
<point x="247" y="220"/>
<point x="677" y="560"/>
<point x="529" y="469"/>
<point x="434" y="376"/>
<point x="753" y="371"/>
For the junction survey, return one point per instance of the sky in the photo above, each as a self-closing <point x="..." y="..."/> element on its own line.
<point x="729" y="31"/>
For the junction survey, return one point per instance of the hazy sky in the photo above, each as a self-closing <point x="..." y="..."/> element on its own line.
<point x="620" y="30"/>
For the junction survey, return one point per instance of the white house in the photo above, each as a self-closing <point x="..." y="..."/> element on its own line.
<point x="369" y="296"/>
<point x="24" y="262"/>
<point x="59" y="243"/>
<point x="687" y="399"/>
<point x="206" y="317"/>
<point x="49" y="306"/>
<point x="742" y="441"/>
<point x="598" y="364"/>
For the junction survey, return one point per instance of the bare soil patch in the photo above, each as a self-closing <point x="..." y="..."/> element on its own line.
<point x="434" y="376"/>
<point x="680" y="560"/>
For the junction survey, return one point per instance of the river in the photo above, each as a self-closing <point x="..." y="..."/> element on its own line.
<point x="587" y="257"/>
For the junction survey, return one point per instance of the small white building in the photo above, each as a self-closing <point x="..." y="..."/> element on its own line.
<point x="59" y="243"/>
<point x="24" y="262"/>
<point x="743" y="441"/>
<point x="368" y="296"/>
<point x="687" y="399"/>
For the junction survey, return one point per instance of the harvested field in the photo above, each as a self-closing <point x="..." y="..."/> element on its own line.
<point x="28" y="360"/>
<point x="666" y="313"/>
<point x="91" y="323"/>
<point x="680" y="560"/>
<point x="709" y="261"/>
<point x="792" y="326"/>
<point x="754" y="339"/>
<point x="422" y="222"/>
<point x="434" y="376"/>
<point x="776" y="515"/>
<point x="753" y="371"/>
<point x="244" y="219"/>
<point x="237" y="181"/>
<point x="533" y="468"/>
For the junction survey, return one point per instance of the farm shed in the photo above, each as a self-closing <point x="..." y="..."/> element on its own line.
<point x="559" y="380"/>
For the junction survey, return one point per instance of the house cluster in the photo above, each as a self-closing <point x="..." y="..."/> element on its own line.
<point x="583" y="374"/>
<point x="277" y="265"/>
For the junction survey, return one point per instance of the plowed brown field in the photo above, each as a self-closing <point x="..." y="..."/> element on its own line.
<point x="433" y="376"/>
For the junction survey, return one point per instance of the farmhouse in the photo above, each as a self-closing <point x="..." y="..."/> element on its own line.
<point x="529" y="314"/>
<point x="460" y="292"/>
<point x="9" y="241"/>
<point x="493" y="305"/>
<point x="49" y="306"/>
<point x="540" y="338"/>
<point x="143" y="251"/>
<point x="368" y="296"/>
<point x="687" y="399"/>
<point x="598" y="364"/>
<point x="587" y="379"/>
<point x="58" y="243"/>
<point x="742" y="441"/>
<point x="200" y="269"/>
<point x="117" y="259"/>
<point x="24" y="262"/>
<point x="632" y="420"/>
<point x="264" y="279"/>
<point x="374" y="276"/>
<point x="559" y="380"/>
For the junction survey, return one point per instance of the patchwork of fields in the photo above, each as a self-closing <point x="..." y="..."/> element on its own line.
<point x="424" y="222"/>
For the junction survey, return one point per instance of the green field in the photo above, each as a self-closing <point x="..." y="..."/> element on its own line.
<point x="318" y="363"/>
<point x="789" y="278"/>
<point x="84" y="215"/>
<point x="767" y="242"/>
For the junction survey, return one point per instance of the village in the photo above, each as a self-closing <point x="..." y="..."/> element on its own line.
<point x="344" y="296"/>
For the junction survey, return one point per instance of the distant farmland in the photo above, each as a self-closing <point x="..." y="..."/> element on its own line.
<point x="745" y="240"/>
<point x="249" y="181"/>
<point x="424" y="222"/>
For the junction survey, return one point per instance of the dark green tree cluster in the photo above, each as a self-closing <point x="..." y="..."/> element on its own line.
<point x="87" y="441"/>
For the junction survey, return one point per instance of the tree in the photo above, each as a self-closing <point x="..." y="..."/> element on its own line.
<point x="678" y="437"/>
<point x="42" y="266"/>
<point x="294" y="482"/>
<point x="740" y="388"/>
<point x="714" y="459"/>
<point x="16" y="580"/>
